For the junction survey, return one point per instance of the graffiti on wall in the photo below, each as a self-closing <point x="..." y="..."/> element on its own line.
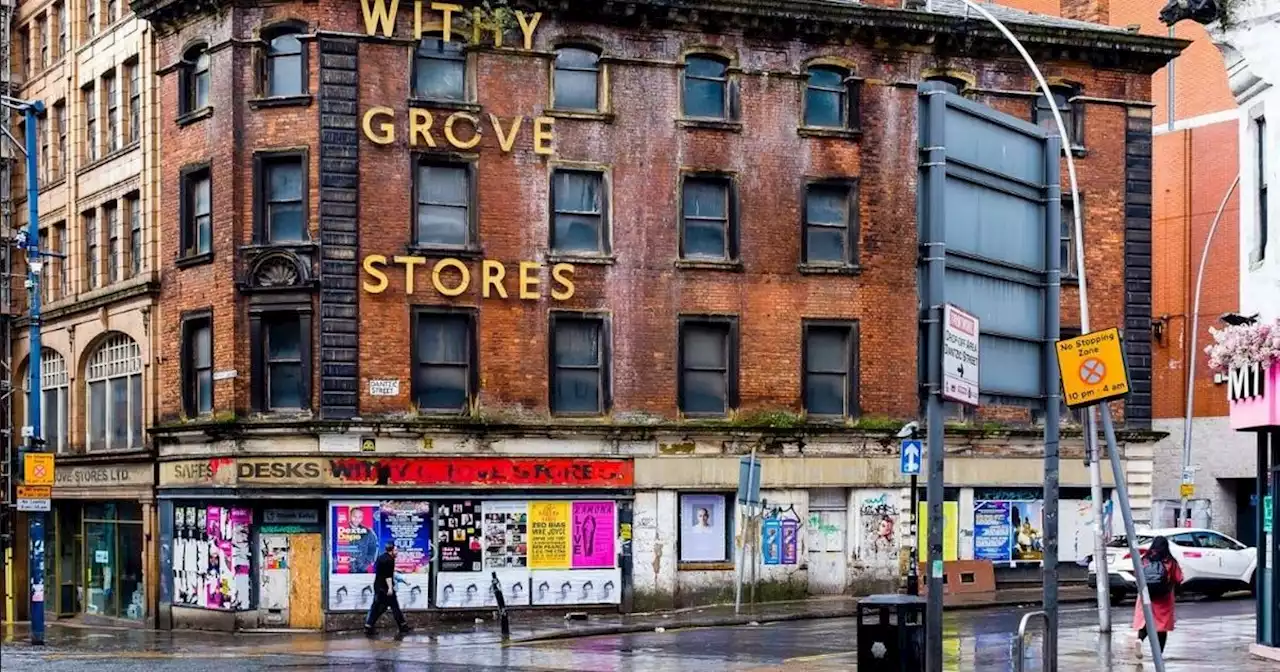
<point x="877" y="528"/>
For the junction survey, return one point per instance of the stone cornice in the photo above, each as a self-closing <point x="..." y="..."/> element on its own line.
<point x="821" y="21"/>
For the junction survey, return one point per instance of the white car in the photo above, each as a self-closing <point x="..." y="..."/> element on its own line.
<point x="1212" y="563"/>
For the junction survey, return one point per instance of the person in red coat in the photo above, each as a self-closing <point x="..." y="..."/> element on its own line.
<point x="1163" y="607"/>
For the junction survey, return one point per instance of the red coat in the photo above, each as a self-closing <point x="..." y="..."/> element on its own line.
<point x="1162" y="609"/>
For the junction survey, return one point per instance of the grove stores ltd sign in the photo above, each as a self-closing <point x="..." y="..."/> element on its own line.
<point x="460" y="130"/>
<point x="453" y="277"/>
<point x="398" y="472"/>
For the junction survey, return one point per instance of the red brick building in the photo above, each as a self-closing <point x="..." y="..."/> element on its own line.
<point x="574" y="253"/>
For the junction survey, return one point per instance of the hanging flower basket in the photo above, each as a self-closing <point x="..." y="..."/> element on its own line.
<point x="1241" y="346"/>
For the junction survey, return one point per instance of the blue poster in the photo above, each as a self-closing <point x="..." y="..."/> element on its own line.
<point x="772" y="546"/>
<point x="992" y="531"/>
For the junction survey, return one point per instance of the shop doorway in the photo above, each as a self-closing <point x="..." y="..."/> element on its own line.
<point x="828" y="511"/>
<point x="290" y="580"/>
<point x="112" y="560"/>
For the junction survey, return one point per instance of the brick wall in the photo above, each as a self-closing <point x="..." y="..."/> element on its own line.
<point x="645" y="151"/>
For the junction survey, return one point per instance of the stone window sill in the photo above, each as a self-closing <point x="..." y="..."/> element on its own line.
<point x="704" y="566"/>
<point x="440" y="104"/>
<point x="711" y="124"/>
<point x="821" y="132"/>
<point x="194" y="260"/>
<point x="300" y="100"/>
<point x="194" y="116"/>
<point x="584" y="115"/>
<point x="703" y="265"/>
<point x="584" y="259"/>
<point x="469" y="252"/>
<point x="829" y="269"/>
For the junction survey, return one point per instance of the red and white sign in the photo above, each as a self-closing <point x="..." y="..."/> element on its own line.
<point x="959" y="356"/>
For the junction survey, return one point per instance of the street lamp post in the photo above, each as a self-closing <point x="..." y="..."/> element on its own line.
<point x="32" y="109"/>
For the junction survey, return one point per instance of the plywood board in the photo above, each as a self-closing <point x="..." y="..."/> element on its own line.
<point x="304" y="582"/>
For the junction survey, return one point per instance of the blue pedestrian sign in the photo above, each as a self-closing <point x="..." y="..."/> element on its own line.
<point x="912" y="454"/>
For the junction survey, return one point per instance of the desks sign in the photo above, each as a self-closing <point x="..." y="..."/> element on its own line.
<point x="1092" y="368"/>
<point x="38" y="469"/>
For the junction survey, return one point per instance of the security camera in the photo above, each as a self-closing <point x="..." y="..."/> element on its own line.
<point x="909" y="430"/>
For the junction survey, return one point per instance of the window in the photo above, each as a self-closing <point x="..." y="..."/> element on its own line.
<point x="59" y="243"/>
<point x="282" y="214"/>
<point x="705" y="527"/>
<point x="830" y="223"/>
<point x="831" y="99"/>
<point x="579" y="212"/>
<point x="579" y="369"/>
<point x="197" y="363"/>
<point x="1071" y="117"/>
<point x="91" y="249"/>
<point x="46" y="271"/>
<point x="284" y="363"/>
<point x="831" y="369"/>
<point x="1217" y="541"/>
<point x="1259" y="253"/>
<point x="440" y="70"/>
<point x="576" y="79"/>
<point x="60" y="111"/>
<point x="1070" y="269"/>
<point x="285" y="70"/>
<point x="444" y="377"/>
<point x="90" y="123"/>
<point x="111" y="216"/>
<point x="113" y="11"/>
<point x="43" y="29"/>
<point x="133" y="72"/>
<point x="444" y="195"/>
<point x="708" y="218"/>
<point x="195" y="80"/>
<point x="90" y="18"/>
<point x="113" y="111"/>
<point x="45" y="159"/>
<point x="54" y="407"/>
<point x="708" y="365"/>
<point x="706" y="87"/>
<point x="134" y="205"/>
<point x="63" y="44"/>
<point x="24" y="48"/>
<point x="114" y="381"/>
<point x="197" y="213"/>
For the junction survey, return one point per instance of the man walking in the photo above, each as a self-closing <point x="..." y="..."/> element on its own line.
<point x="384" y="592"/>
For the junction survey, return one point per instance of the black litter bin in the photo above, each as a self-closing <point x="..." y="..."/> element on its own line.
<point x="891" y="633"/>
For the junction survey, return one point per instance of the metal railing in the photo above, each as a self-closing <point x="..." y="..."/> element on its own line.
<point x="1019" y="655"/>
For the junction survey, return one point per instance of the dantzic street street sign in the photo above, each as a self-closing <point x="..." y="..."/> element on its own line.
<point x="959" y="356"/>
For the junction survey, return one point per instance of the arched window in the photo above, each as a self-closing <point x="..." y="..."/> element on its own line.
<point x="577" y="79"/>
<point x="285" y="68"/>
<point x="440" y="70"/>
<point x="1072" y="116"/>
<point x="706" y="87"/>
<point x="54" y="409"/>
<point x="830" y="98"/>
<point x="113" y="383"/>
<point x="195" y="80"/>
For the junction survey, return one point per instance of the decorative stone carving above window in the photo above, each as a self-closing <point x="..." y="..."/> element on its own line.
<point x="278" y="270"/>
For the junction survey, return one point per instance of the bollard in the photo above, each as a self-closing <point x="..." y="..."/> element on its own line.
<point x="502" y="608"/>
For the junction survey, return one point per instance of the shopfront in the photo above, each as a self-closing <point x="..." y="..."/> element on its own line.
<point x="1254" y="396"/>
<point x="290" y="542"/>
<point x="98" y="558"/>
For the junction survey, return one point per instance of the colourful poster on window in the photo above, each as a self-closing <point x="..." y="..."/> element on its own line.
<point x="355" y="535"/>
<point x="950" y="531"/>
<point x="593" y="535"/>
<point x="549" y="538"/>
<point x="790" y="541"/>
<point x="771" y="547"/>
<point x="991" y="531"/>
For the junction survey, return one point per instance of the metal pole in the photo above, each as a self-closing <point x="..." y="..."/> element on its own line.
<point x="913" y="570"/>
<point x="935" y="276"/>
<point x="1093" y="459"/>
<point x="36" y="521"/>
<point x="1193" y="354"/>
<point x="742" y="536"/>
<point x="1053" y="404"/>
<point x="1259" y="572"/>
<point x="1095" y="472"/>
<point x="1131" y="534"/>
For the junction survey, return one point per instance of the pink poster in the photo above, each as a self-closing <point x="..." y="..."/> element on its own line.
<point x="593" y="535"/>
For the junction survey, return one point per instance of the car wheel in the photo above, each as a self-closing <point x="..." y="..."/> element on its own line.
<point x="1213" y="594"/>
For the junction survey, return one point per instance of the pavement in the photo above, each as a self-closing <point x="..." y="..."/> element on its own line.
<point x="1210" y="636"/>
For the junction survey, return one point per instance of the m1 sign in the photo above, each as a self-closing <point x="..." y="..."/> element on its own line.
<point x="1253" y="393"/>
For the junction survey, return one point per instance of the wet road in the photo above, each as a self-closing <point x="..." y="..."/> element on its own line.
<point x="974" y="641"/>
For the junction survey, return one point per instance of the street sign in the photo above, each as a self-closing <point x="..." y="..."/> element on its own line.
<point x="749" y="480"/>
<point x="38" y="469"/>
<point x="1268" y="514"/>
<point x="1092" y="368"/>
<point x="34" y="492"/>
<point x="1187" y="490"/>
<point x="35" y="505"/>
<point x="959" y="356"/>
<point x="911" y="457"/>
